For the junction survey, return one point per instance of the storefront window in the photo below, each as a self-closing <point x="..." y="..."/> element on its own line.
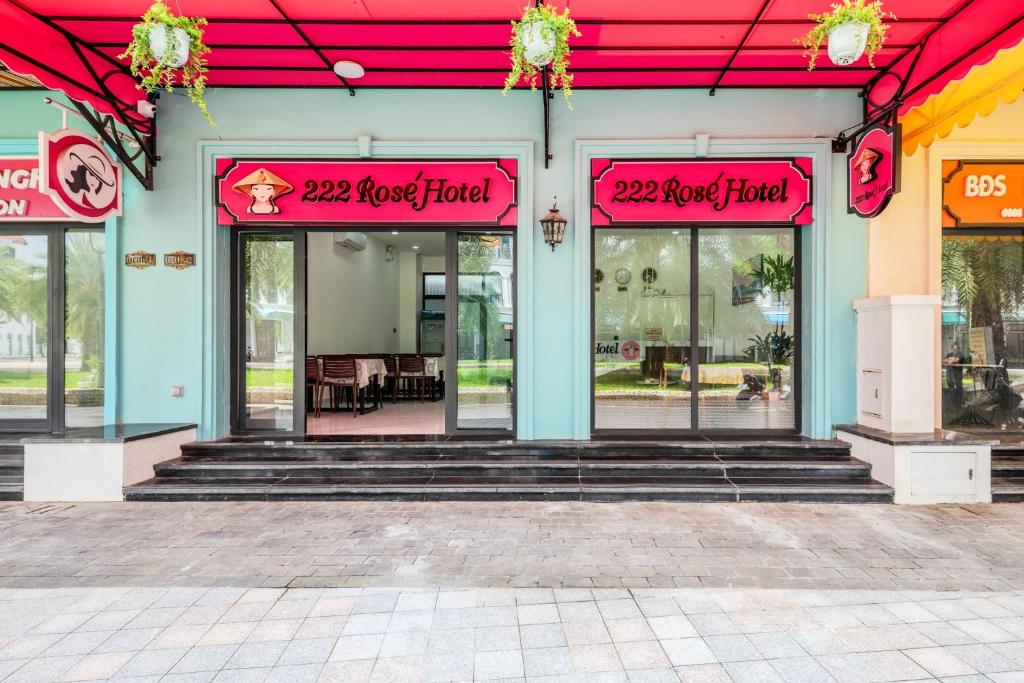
<point x="24" y="317"/>
<point x="983" y="332"/>
<point x="84" y="253"/>
<point x="738" y="337"/>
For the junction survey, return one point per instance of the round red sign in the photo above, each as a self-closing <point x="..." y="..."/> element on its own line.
<point x="79" y="175"/>
<point x="631" y="350"/>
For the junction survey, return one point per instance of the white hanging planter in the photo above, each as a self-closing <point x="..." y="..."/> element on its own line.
<point x="538" y="43"/>
<point x="846" y="42"/>
<point x="159" y="42"/>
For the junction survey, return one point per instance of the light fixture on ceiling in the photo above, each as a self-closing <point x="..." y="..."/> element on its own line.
<point x="394" y="232"/>
<point x="348" y="69"/>
<point x="415" y="248"/>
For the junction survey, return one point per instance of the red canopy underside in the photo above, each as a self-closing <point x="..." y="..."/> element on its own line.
<point x="72" y="46"/>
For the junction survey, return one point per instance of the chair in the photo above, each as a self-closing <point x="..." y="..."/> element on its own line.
<point x="413" y="369"/>
<point x="314" y="381"/>
<point x="392" y="377"/>
<point x="340" y="373"/>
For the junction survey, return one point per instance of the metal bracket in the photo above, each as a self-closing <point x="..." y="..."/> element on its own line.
<point x="548" y="96"/>
<point x="137" y="154"/>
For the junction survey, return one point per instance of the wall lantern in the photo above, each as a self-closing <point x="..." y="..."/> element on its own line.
<point x="553" y="225"/>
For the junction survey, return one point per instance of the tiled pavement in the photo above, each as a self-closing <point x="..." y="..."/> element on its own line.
<point x="517" y="591"/>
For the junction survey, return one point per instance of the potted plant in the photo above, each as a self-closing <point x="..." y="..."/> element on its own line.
<point x="851" y="27"/>
<point x="539" y="39"/>
<point x="166" y="47"/>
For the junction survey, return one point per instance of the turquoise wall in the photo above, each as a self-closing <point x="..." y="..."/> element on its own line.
<point x="172" y="325"/>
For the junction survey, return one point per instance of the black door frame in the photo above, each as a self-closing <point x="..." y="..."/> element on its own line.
<point x="56" y="284"/>
<point x="694" y="431"/>
<point x="299" y="233"/>
<point x="239" y="424"/>
<point x="451" y="334"/>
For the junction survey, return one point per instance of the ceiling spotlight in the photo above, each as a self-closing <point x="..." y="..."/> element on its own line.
<point x="394" y="232"/>
<point x="347" y="69"/>
<point x="415" y="248"/>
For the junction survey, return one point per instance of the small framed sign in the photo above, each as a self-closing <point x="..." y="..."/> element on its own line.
<point x="140" y="259"/>
<point x="179" y="260"/>
<point x="873" y="170"/>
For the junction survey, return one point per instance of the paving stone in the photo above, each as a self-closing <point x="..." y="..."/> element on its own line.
<point x="549" y="661"/>
<point x="703" y="673"/>
<point x="357" y="647"/>
<point x="501" y="664"/>
<point x="256" y="655"/>
<point x="594" y="658"/>
<point x="204" y="658"/>
<point x="542" y="636"/>
<point x="803" y="669"/>
<point x="96" y="667"/>
<point x="687" y="651"/>
<point x="736" y="648"/>
<point x="939" y="662"/>
<point x="308" y="651"/>
<point x="752" y="672"/>
<point x="644" y="654"/>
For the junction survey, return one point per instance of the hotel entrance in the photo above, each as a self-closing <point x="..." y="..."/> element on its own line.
<point x="375" y="333"/>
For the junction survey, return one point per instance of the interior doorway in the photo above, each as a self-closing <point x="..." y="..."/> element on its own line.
<point x="393" y="333"/>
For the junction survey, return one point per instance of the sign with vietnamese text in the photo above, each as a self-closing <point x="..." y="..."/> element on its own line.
<point x="873" y="170"/>
<point x="340" y="192"/>
<point x="674" y="191"/>
<point x="982" y="194"/>
<point x="20" y="196"/>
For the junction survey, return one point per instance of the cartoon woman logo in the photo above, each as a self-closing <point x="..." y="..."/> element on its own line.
<point x="87" y="177"/>
<point x="263" y="187"/>
<point x="866" y="163"/>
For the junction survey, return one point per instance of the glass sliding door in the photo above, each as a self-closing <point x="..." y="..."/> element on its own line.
<point x="484" y="349"/>
<point x="642" y="329"/>
<point x="695" y="329"/>
<point x="269" y="331"/>
<point x="84" y="256"/>
<point x="26" y="381"/>
<point x="748" y="336"/>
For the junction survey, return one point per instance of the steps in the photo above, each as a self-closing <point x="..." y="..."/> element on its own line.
<point x="791" y="470"/>
<point x="1008" y="473"/>
<point x="12" y="468"/>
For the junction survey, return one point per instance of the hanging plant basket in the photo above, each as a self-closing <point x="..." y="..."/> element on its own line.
<point x="852" y="28"/>
<point x="167" y="50"/>
<point x="540" y="39"/>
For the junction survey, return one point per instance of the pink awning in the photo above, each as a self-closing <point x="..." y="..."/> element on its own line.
<point x="72" y="46"/>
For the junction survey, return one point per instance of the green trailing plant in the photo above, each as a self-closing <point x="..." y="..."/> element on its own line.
<point x="161" y="73"/>
<point x="846" y="12"/>
<point x="554" y="25"/>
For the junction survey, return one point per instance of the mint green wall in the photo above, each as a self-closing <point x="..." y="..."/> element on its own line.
<point x="162" y="311"/>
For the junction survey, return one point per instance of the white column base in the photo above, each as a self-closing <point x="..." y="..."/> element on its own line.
<point x="95" y="469"/>
<point x="925" y="469"/>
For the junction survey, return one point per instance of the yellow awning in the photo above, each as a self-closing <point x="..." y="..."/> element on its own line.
<point x="977" y="93"/>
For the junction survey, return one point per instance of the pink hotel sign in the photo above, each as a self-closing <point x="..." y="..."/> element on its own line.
<point x="722" y="191"/>
<point x="338" y="192"/>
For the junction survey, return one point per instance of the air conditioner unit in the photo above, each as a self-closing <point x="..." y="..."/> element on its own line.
<point x="356" y="241"/>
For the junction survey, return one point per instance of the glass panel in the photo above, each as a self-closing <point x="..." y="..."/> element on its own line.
<point x="24" y="311"/>
<point x="485" y="332"/>
<point x="269" y="300"/>
<point x="83" y="328"/>
<point x="642" y="329"/>
<point x="747" y="342"/>
<point x="983" y="333"/>
<point x="433" y="284"/>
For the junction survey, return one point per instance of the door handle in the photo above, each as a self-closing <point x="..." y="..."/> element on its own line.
<point x="970" y="474"/>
